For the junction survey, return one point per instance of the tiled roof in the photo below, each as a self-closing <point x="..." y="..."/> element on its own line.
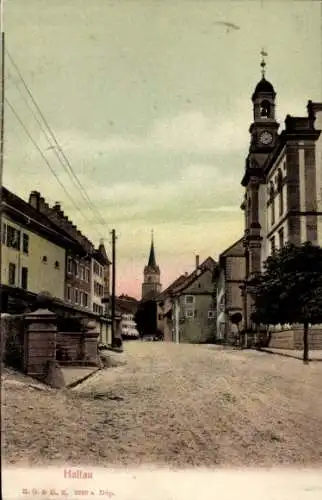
<point x="171" y="287"/>
<point x="26" y="211"/>
<point x="127" y="305"/>
<point x="181" y="283"/>
<point x="235" y="250"/>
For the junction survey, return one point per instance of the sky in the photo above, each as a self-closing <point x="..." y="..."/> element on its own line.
<point x="150" y="102"/>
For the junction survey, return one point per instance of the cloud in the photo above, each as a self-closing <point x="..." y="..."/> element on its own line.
<point x="191" y="132"/>
<point x="221" y="209"/>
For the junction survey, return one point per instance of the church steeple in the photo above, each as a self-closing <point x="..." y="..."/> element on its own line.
<point x="151" y="285"/>
<point x="152" y="261"/>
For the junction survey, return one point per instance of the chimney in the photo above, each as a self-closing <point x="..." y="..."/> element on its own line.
<point x="34" y="199"/>
<point x="58" y="210"/>
<point x="197" y="261"/>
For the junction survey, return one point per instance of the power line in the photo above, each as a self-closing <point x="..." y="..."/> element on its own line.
<point x="70" y="169"/>
<point x="44" y="157"/>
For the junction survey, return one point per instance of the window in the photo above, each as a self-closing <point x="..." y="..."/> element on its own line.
<point x="189" y="299"/>
<point x="190" y="313"/>
<point x="69" y="292"/>
<point x="13" y="238"/>
<point x="84" y="299"/>
<point x="70" y="265"/>
<point x="4" y="233"/>
<point x="211" y="314"/>
<point x="96" y="268"/>
<point x="25" y="243"/>
<point x="76" y="296"/>
<point x="76" y="269"/>
<point x="281" y="238"/>
<point x="265" y="110"/>
<point x="273" y="245"/>
<point x="98" y="309"/>
<point x="57" y="264"/>
<point x="44" y="259"/>
<point x="280" y="191"/>
<point x="272" y="201"/>
<point x="24" y="278"/>
<point x="82" y="272"/>
<point x="87" y="275"/>
<point x="12" y="273"/>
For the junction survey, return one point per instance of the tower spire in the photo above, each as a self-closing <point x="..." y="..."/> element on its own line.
<point x="263" y="62"/>
<point x="152" y="261"/>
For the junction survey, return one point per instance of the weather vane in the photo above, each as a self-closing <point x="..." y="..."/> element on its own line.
<point x="263" y="63"/>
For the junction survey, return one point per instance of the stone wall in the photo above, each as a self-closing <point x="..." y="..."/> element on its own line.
<point x="69" y="347"/>
<point x="31" y="343"/>
<point x="293" y="339"/>
<point x="12" y="340"/>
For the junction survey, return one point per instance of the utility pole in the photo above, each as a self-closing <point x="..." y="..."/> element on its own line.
<point x="113" y="287"/>
<point x="1" y="128"/>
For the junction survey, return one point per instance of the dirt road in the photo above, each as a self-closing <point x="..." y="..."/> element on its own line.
<point x="179" y="405"/>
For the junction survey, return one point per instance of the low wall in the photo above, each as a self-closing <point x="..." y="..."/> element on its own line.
<point x="293" y="339"/>
<point x="12" y="340"/>
<point x="69" y="347"/>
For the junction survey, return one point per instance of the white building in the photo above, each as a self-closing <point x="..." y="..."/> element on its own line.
<point x="128" y="325"/>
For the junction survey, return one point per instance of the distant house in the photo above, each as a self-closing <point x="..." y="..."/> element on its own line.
<point x="164" y="309"/>
<point x="230" y="278"/>
<point x="128" y="307"/>
<point x="187" y="309"/>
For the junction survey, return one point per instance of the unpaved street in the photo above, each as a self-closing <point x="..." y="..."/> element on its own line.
<point x="179" y="405"/>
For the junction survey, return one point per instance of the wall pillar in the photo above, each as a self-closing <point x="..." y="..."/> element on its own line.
<point x="40" y="342"/>
<point x="90" y="346"/>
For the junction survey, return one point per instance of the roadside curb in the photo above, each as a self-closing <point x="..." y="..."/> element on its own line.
<point x="80" y="380"/>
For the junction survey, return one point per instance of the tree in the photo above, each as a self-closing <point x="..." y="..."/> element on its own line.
<point x="290" y="289"/>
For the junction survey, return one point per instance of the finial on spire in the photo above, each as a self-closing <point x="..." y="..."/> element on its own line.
<point x="263" y="62"/>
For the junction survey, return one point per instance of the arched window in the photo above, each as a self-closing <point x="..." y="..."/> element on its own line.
<point x="265" y="109"/>
<point x="280" y="191"/>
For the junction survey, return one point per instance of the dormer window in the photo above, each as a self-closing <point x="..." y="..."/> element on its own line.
<point x="56" y="264"/>
<point x="44" y="259"/>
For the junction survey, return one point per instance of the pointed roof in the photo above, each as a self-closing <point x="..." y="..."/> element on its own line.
<point x="237" y="249"/>
<point x="101" y="255"/>
<point x="178" y="281"/>
<point x="152" y="260"/>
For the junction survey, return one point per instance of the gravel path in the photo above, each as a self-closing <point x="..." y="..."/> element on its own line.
<point x="180" y="405"/>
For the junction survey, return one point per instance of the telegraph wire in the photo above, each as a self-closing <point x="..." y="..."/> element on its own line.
<point x="44" y="157"/>
<point x="56" y="146"/>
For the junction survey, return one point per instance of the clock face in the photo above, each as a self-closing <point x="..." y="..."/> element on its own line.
<point x="266" y="137"/>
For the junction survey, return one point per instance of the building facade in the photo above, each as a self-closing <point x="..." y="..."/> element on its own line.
<point x="230" y="278"/>
<point x="187" y="311"/>
<point x="282" y="182"/>
<point x="42" y="251"/>
<point x="100" y="272"/>
<point x="33" y="251"/>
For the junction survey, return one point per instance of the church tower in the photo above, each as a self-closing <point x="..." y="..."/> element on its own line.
<point x="263" y="140"/>
<point x="151" y="285"/>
